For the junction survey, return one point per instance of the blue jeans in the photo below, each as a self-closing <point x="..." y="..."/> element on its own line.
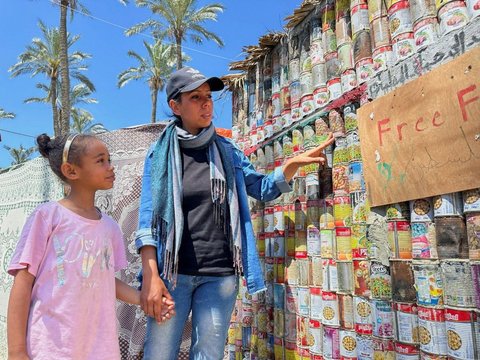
<point x="211" y="300"/>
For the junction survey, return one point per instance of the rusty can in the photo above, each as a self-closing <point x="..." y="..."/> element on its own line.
<point x="400" y="239"/>
<point x="432" y="332"/>
<point x="425" y="32"/>
<point x="451" y="235"/>
<point x="457" y="283"/>
<point x="380" y="281"/>
<point x="453" y="15"/>
<point x="447" y="205"/>
<point x="333" y="65"/>
<point x="406" y="323"/>
<point x="380" y="32"/>
<point x="343" y="243"/>
<point x="428" y="283"/>
<point x="382" y="318"/>
<point x="331" y="342"/>
<point x="363" y="316"/>
<point x="361" y="277"/>
<point x="424" y="240"/>
<point x="461" y="338"/>
<point x="403" y="283"/>
<point x="345" y="305"/>
<point x="362" y="45"/>
<point x="473" y="233"/>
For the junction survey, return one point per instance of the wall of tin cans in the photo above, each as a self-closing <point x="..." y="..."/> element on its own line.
<point x="346" y="281"/>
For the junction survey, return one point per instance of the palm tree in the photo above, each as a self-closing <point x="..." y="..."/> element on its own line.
<point x="82" y="123"/>
<point x="43" y="57"/>
<point x="179" y="19"/>
<point x="20" y="154"/>
<point x="6" y="115"/>
<point x="154" y="69"/>
<point x="73" y="5"/>
<point x="79" y="94"/>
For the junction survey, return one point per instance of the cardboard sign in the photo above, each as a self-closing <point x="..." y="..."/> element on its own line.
<point x="423" y="139"/>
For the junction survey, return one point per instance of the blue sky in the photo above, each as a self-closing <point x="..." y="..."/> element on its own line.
<point x="242" y="23"/>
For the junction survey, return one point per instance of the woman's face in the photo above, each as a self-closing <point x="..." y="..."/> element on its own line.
<point x="195" y="108"/>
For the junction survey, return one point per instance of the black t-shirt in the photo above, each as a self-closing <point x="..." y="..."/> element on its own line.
<point x="205" y="249"/>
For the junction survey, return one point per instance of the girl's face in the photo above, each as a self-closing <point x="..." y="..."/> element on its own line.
<point x="95" y="170"/>
<point x="195" y="108"/>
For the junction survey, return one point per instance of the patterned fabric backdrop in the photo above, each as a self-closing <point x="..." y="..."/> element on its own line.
<point x="25" y="187"/>
<point x="22" y="189"/>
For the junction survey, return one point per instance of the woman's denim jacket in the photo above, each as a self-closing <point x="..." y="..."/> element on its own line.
<point x="249" y="182"/>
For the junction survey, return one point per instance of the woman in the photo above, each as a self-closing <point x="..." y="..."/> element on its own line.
<point x="195" y="234"/>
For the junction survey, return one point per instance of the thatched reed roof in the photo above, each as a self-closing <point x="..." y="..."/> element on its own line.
<point x="300" y="13"/>
<point x="234" y="81"/>
<point x="255" y="52"/>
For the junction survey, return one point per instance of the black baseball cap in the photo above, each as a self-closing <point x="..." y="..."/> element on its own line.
<point x="188" y="79"/>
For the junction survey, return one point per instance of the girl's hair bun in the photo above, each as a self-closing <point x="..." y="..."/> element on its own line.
<point x="44" y="144"/>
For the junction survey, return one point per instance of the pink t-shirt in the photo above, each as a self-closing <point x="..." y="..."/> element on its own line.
<point x="74" y="259"/>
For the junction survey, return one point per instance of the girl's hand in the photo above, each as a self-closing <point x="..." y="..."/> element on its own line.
<point x="18" y="354"/>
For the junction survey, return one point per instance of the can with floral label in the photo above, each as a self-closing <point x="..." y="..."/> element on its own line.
<point x="320" y="97"/>
<point x="382" y="57"/>
<point x="404" y="45"/>
<point x="453" y="15"/>
<point x="364" y="69"/>
<point x="331" y="342"/>
<point x="424" y="241"/>
<point x="382" y="319"/>
<point x="425" y="32"/>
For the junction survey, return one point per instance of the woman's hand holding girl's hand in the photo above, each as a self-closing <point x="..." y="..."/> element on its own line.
<point x="155" y="300"/>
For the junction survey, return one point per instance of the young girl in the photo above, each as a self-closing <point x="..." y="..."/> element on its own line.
<point x="62" y="303"/>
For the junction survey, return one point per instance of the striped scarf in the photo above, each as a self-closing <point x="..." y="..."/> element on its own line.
<point x="167" y="193"/>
